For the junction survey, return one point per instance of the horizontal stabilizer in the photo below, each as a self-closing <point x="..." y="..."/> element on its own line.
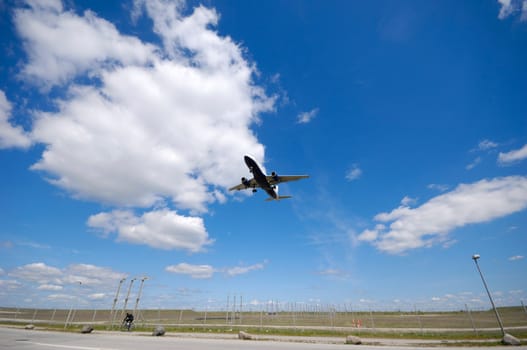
<point x="277" y="198"/>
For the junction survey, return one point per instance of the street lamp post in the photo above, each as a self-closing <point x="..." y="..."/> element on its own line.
<point x="475" y="257"/>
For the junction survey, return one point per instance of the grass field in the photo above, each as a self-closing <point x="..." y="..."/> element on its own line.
<point x="446" y="325"/>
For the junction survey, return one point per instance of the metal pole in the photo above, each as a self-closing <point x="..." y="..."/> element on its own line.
<point x="139" y="295"/>
<point x="471" y="319"/>
<point x="475" y="257"/>
<point x="227" y="313"/>
<point x="68" y="318"/>
<point x="71" y="315"/>
<point x="112" y="315"/>
<point x="233" y="318"/>
<point x="241" y="308"/>
<point x="127" y="296"/>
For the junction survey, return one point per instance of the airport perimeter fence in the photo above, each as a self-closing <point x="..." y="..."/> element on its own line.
<point x="329" y="318"/>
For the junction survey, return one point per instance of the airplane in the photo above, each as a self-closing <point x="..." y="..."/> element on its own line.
<point x="269" y="183"/>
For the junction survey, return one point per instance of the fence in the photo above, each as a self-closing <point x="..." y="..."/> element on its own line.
<point x="298" y="318"/>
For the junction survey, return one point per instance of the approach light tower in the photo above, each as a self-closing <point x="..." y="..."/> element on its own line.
<point x="475" y="257"/>
<point x="127" y="296"/>
<point x="139" y="294"/>
<point x="112" y="313"/>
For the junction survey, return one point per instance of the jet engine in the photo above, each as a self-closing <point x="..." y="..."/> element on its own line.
<point x="275" y="176"/>
<point x="246" y="182"/>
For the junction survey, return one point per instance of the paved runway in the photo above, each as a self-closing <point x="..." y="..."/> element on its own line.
<point x="11" y="338"/>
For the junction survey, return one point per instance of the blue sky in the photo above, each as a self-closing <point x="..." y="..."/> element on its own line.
<point x="122" y="126"/>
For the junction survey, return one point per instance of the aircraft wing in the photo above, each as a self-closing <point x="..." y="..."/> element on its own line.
<point x="244" y="185"/>
<point x="276" y="179"/>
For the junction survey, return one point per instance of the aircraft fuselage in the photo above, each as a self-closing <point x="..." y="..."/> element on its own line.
<point x="260" y="177"/>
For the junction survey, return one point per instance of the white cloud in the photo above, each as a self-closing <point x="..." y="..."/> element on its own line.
<point x="334" y="273"/>
<point x="508" y="7"/>
<point x="475" y="162"/>
<point x="194" y="271"/>
<point x="486" y="145"/>
<point x="151" y="125"/>
<point x="61" y="297"/>
<point x="53" y="278"/>
<point x="329" y="272"/>
<point x="513" y="156"/>
<point x="61" y="44"/>
<point x="90" y="275"/>
<point x="438" y="187"/>
<point x="37" y="272"/>
<point x="10" y="136"/>
<point x="163" y="229"/>
<point x="429" y="224"/>
<point x="306" y="117"/>
<point x="353" y="173"/>
<point x="406" y="201"/>
<point x="241" y="270"/>
<point x="97" y="296"/>
<point x="207" y="271"/>
<point x="369" y="235"/>
<point x="159" y="124"/>
<point x="53" y="287"/>
<point x="9" y="285"/>
<point x="31" y="244"/>
<point x="516" y="257"/>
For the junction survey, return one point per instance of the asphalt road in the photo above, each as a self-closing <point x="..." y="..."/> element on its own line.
<point x="12" y="338"/>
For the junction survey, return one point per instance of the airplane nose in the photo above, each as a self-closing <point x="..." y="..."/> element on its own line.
<point x="247" y="160"/>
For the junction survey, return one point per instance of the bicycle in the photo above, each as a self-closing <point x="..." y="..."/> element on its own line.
<point x="127" y="325"/>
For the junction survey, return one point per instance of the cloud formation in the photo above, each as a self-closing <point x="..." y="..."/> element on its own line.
<point x="40" y="276"/>
<point x="162" y="229"/>
<point x="154" y="128"/>
<point x="139" y="124"/>
<point x="486" y="145"/>
<point x="61" y="45"/>
<point x="406" y="228"/>
<point x="194" y="271"/>
<point x="306" y="117"/>
<point x="38" y="272"/>
<point x="208" y="271"/>
<point x="509" y="7"/>
<point x="353" y="173"/>
<point x="242" y="270"/>
<point x="513" y="156"/>
<point x="10" y="135"/>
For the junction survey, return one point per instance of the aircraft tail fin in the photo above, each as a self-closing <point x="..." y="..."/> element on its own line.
<point x="278" y="197"/>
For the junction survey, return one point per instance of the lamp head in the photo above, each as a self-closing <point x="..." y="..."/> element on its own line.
<point x="475" y="257"/>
